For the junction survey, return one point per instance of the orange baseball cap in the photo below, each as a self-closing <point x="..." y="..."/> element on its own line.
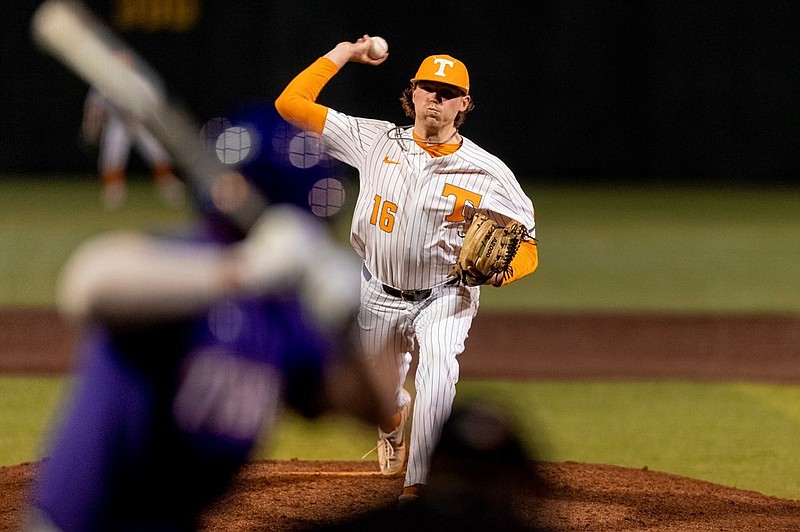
<point x="444" y="69"/>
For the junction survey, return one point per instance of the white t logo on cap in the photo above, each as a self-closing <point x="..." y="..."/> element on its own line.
<point x="442" y="62"/>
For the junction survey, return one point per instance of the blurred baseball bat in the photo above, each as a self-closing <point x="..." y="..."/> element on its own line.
<point x="71" y="33"/>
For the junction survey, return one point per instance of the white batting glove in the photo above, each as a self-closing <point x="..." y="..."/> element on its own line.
<point x="289" y="248"/>
<point x="331" y="286"/>
<point x="276" y="251"/>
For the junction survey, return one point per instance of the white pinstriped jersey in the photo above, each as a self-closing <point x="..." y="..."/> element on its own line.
<point x="408" y="221"/>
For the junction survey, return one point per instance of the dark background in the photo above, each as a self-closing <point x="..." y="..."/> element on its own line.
<point x="591" y="89"/>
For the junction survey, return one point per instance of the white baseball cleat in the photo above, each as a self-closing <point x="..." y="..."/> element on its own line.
<point x="392" y="447"/>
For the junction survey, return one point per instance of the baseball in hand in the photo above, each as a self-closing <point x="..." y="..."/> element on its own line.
<point x="379" y="48"/>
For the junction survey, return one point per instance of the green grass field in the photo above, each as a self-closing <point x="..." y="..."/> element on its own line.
<point x="43" y="218"/>
<point x="681" y="248"/>
<point x="678" y="249"/>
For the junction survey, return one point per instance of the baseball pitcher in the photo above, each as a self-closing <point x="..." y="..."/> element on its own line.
<point x="420" y="188"/>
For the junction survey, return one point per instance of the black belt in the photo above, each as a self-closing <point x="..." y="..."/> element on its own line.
<point x="405" y="295"/>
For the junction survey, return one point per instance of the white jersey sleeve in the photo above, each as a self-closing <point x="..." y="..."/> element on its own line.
<point x="349" y="138"/>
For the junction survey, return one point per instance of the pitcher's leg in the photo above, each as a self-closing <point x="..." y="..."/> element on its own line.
<point x="386" y="335"/>
<point x="387" y="340"/>
<point x="442" y="329"/>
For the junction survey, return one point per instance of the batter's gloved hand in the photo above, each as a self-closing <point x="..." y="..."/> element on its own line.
<point x="487" y="251"/>
<point x="290" y="248"/>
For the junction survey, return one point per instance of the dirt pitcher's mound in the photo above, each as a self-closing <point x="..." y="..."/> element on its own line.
<point x="296" y="495"/>
<point x="304" y="495"/>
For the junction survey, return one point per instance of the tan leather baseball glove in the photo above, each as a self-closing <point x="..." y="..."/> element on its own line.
<point x="488" y="250"/>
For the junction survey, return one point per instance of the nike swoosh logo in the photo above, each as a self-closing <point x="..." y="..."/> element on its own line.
<point x="389" y="161"/>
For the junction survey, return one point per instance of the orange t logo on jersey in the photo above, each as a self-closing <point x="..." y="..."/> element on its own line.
<point x="462" y="196"/>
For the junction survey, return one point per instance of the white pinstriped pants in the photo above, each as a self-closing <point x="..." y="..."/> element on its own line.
<point x="437" y="327"/>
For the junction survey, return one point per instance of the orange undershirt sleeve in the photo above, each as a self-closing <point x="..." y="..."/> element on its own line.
<point x="525" y="262"/>
<point x="297" y="103"/>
